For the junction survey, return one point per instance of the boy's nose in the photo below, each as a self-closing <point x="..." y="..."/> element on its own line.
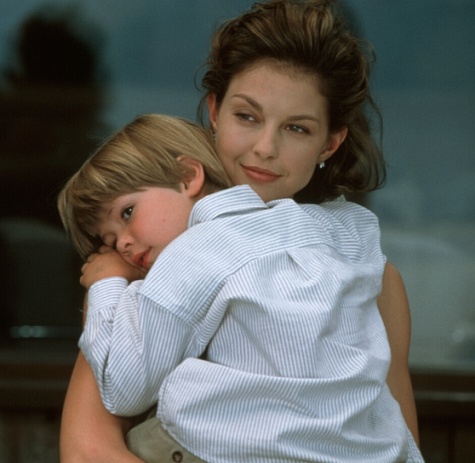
<point x="124" y="242"/>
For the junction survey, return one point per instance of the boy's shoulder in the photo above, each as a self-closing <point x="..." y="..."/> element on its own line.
<point x="355" y="229"/>
<point x="351" y="215"/>
<point x="239" y="200"/>
<point x="192" y="269"/>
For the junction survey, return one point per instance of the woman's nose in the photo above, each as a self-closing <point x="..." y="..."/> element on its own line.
<point x="266" y="146"/>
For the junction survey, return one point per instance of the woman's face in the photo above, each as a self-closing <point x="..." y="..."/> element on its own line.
<point x="272" y="130"/>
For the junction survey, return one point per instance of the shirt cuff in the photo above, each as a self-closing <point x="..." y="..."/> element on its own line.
<point x="105" y="294"/>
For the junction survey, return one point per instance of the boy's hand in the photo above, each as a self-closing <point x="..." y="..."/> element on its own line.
<point x="105" y="263"/>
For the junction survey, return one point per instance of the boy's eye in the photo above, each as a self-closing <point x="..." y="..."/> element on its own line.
<point x="127" y="212"/>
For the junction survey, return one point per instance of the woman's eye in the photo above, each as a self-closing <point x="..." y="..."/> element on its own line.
<point x="127" y="212"/>
<point x="297" y="128"/>
<point x="246" y="117"/>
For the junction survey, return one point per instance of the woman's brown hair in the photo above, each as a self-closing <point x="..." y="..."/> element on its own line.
<point x="309" y="36"/>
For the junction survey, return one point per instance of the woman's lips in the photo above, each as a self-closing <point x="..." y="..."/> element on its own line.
<point x="260" y="175"/>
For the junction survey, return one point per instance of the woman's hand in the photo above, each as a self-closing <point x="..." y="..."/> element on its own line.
<point x="105" y="263"/>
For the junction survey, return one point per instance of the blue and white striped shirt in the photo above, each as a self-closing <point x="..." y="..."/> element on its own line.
<point x="281" y="301"/>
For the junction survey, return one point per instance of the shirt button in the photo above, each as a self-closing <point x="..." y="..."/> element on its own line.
<point x="177" y="457"/>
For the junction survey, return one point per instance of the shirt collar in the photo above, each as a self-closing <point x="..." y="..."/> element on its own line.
<point x="231" y="201"/>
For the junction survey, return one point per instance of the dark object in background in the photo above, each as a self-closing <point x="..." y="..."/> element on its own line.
<point x="41" y="297"/>
<point x="49" y="111"/>
<point x="51" y="96"/>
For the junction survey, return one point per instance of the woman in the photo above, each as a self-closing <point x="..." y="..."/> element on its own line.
<point x="275" y="106"/>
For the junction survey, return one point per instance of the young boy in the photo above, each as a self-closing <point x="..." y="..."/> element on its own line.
<point x="255" y="330"/>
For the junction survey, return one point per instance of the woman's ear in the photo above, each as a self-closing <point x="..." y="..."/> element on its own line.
<point x="195" y="176"/>
<point x="334" y="141"/>
<point x="213" y="110"/>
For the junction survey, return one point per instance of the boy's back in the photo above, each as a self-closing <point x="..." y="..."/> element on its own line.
<point x="282" y="301"/>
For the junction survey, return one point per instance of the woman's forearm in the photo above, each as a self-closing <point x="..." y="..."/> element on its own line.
<point x="89" y="433"/>
<point x="394" y="308"/>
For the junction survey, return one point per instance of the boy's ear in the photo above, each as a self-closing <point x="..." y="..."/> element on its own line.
<point x="195" y="176"/>
<point x="334" y="141"/>
<point x="213" y="110"/>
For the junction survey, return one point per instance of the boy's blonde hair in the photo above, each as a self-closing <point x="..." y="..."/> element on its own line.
<point x="144" y="153"/>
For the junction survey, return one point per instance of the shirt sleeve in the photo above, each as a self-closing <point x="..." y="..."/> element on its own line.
<point x="131" y="345"/>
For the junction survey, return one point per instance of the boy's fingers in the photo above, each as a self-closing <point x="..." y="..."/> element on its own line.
<point x="104" y="249"/>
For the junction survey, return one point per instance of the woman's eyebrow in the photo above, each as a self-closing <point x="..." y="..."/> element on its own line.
<point x="307" y="117"/>
<point x="258" y="106"/>
<point x="249" y="100"/>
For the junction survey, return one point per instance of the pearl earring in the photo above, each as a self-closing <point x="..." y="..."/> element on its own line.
<point x="322" y="165"/>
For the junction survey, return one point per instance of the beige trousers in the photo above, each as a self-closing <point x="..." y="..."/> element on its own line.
<point x="150" y="442"/>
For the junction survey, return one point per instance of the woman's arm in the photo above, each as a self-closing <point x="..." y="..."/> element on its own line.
<point x="394" y="309"/>
<point x="89" y="433"/>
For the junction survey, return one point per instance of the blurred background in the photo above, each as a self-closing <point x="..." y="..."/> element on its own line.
<point x="71" y="71"/>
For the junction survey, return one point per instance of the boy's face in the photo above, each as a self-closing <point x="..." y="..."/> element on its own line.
<point x="141" y="224"/>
